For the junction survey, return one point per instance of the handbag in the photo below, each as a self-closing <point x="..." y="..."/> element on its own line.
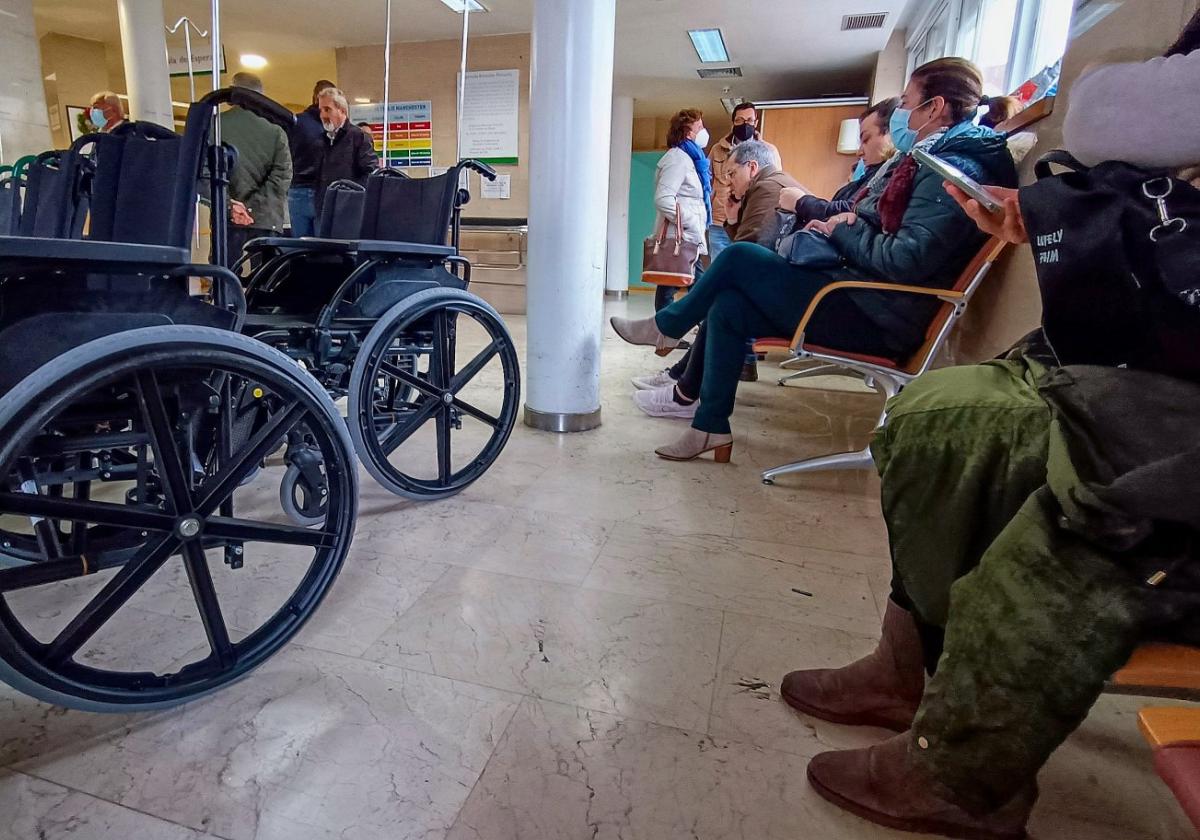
<point x="1117" y="252"/>
<point x="805" y="248"/>
<point x="669" y="262"/>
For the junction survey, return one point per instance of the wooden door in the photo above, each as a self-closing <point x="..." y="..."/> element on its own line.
<point x="807" y="141"/>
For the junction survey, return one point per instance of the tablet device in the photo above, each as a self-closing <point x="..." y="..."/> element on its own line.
<point x="960" y="179"/>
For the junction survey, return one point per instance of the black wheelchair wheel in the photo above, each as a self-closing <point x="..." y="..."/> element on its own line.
<point x="434" y="394"/>
<point x="218" y="579"/>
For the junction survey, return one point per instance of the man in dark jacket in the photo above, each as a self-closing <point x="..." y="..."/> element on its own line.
<point x="258" y="185"/>
<point x="307" y="145"/>
<point x="347" y="153"/>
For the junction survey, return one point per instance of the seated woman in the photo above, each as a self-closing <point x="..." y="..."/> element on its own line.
<point x="675" y="391"/>
<point x="1038" y="527"/>
<point x="906" y="230"/>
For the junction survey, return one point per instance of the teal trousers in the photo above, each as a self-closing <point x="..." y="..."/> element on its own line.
<point x="751" y="292"/>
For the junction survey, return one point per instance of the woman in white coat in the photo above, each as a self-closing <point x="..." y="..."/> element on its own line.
<point x="684" y="181"/>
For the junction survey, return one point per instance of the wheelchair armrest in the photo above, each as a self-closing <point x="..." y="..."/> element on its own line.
<point x="307" y="244"/>
<point x="384" y="248"/>
<point x="947" y="295"/>
<point x="28" y="252"/>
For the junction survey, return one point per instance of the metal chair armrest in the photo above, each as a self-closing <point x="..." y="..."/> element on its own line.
<point x="947" y="295"/>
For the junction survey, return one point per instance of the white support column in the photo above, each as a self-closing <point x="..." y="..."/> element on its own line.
<point x="144" y="47"/>
<point x="620" y="162"/>
<point x="570" y="109"/>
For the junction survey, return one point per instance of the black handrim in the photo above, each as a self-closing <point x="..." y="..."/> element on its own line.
<point x="395" y="401"/>
<point x="186" y="496"/>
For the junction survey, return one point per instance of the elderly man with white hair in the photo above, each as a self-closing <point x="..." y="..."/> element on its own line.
<point x="348" y="153"/>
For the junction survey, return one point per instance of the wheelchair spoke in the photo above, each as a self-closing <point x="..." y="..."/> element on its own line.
<point x="473" y="367"/>
<point x="439" y="357"/>
<point x="405" y="429"/>
<point x="443" y="446"/>
<point x="177" y="484"/>
<point x="467" y="408"/>
<point x="410" y="379"/>
<point x="218" y="488"/>
<point x="244" y="530"/>
<point x="200" y="577"/>
<point x="98" y="513"/>
<point x="115" y="594"/>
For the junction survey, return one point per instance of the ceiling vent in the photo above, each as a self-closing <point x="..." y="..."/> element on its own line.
<point x="855" y="23"/>
<point x="721" y="73"/>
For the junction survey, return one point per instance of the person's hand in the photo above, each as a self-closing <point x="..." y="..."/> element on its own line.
<point x="732" y="206"/>
<point x="826" y="228"/>
<point x="239" y="214"/>
<point x="789" y="197"/>
<point x="1006" y="223"/>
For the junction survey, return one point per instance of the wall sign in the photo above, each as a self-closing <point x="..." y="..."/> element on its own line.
<point x="491" y="116"/>
<point x="177" y="58"/>
<point x="410" y="131"/>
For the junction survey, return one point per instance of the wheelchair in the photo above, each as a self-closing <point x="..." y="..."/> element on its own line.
<point x="376" y="308"/>
<point x="144" y="558"/>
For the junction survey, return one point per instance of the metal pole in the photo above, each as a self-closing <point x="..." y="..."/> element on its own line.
<point x="187" y="41"/>
<point x="215" y="29"/>
<point x="387" y="81"/>
<point x="462" y="77"/>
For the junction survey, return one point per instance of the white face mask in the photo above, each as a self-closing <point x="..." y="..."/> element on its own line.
<point x="702" y="138"/>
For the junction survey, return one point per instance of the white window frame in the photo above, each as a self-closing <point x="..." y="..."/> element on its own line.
<point x="1021" y="48"/>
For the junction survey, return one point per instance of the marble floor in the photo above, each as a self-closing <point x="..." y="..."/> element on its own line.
<point x="585" y="644"/>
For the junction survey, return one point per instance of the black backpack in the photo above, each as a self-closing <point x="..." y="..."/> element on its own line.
<point x="1117" y="250"/>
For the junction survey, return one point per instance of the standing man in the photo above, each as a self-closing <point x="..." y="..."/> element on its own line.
<point x="106" y="112"/>
<point x="725" y="210"/>
<point x="347" y="152"/>
<point x="727" y="206"/>
<point x="258" y="185"/>
<point x="306" y="142"/>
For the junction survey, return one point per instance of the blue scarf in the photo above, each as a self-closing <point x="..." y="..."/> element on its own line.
<point x="703" y="169"/>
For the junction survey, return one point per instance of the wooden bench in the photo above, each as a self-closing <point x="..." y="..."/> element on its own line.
<point x="1160" y="670"/>
<point x="1164" y="670"/>
<point x="1175" y="735"/>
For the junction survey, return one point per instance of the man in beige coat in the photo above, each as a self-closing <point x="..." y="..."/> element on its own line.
<point x="745" y="128"/>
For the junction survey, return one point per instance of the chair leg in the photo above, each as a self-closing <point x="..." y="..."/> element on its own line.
<point x="859" y="460"/>
<point x="817" y="370"/>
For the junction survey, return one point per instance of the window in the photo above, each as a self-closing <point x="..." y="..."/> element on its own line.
<point x="1010" y="40"/>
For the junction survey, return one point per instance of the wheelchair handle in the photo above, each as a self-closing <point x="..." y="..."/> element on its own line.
<point x="480" y="167"/>
<point x="252" y="101"/>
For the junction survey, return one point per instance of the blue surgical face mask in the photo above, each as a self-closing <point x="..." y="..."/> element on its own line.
<point x="860" y="169"/>
<point x="903" y="137"/>
<point x="97" y="118"/>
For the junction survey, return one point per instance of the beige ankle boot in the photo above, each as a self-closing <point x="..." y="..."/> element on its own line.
<point x="883" y="689"/>
<point x="644" y="333"/>
<point x="695" y="443"/>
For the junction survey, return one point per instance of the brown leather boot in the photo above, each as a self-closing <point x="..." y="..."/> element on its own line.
<point x="883" y="689"/>
<point x="883" y="785"/>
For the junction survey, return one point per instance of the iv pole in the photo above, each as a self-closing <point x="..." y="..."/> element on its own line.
<point x="387" y="82"/>
<point x="462" y="77"/>
<point x="188" y="26"/>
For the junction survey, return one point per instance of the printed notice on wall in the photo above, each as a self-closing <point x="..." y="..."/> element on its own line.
<point x="500" y="188"/>
<point x="410" y="131"/>
<point x="491" y="115"/>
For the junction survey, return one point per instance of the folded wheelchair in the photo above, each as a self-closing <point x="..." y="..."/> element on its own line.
<point x="144" y="557"/>
<point x="377" y="309"/>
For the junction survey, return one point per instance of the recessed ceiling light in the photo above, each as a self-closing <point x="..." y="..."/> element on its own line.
<point x="252" y="61"/>
<point x="363" y="100"/>
<point x="709" y="44"/>
<point x="461" y="5"/>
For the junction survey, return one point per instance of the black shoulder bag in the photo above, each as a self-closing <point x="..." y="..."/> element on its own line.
<point x="1117" y="250"/>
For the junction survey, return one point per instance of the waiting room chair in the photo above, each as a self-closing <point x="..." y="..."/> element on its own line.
<point x="887" y="376"/>
<point x="1173" y="731"/>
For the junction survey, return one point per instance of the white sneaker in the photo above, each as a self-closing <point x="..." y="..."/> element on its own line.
<point x="653" y="382"/>
<point x="661" y="403"/>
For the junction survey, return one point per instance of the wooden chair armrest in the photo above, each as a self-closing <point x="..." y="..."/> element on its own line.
<point x="948" y="295"/>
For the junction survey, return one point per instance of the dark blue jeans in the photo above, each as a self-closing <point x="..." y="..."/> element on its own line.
<point x="302" y="210"/>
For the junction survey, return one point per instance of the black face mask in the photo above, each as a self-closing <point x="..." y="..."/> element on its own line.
<point x="743" y="132"/>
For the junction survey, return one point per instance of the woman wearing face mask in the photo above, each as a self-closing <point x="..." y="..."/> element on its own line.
<point x="906" y="230"/>
<point x="684" y="181"/>
<point x="106" y="112"/>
